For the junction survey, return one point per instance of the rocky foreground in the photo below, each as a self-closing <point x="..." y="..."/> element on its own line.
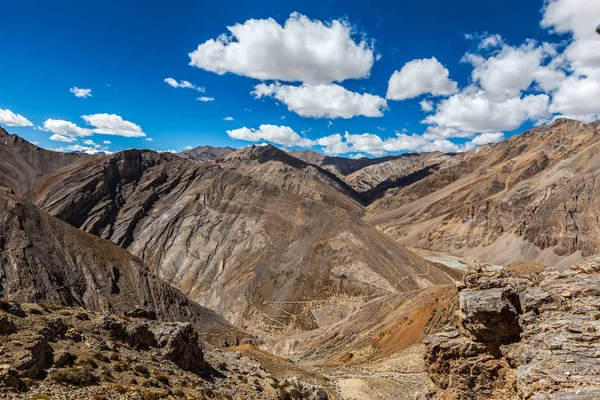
<point x="525" y="332"/>
<point x="53" y="352"/>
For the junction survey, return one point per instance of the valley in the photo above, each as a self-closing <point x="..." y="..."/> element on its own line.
<point x="334" y="272"/>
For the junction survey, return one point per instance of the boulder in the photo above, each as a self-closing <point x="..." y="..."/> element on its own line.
<point x="488" y="315"/>
<point x="36" y="356"/>
<point x="9" y="378"/>
<point x="136" y="336"/>
<point x="55" y="329"/>
<point x="7" y="326"/>
<point x="531" y="299"/>
<point x="179" y="343"/>
<point x="307" y="390"/>
<point x="12" y="308"/>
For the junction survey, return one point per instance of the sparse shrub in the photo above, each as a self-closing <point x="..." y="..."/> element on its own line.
<point x="101" y="357"/>
<point x="35" y="311"/>
<point x="64" y="313"/>
<point x="133" y="381"/>
<point x="41" y="397"/>
<point x="148" y="395"/>
<point x="106" y="374"/>
<point x="114" y="357"/>
<point x="178" y="393"/>
<point x="86" y="362"/>
<point x="118" y="368"/>
<point x="120" y="389"/>
<point x="75" y="377"/>
<point x="162" y="379"/>
<point x="141" y="369"/>
<point x="82" y="316"/>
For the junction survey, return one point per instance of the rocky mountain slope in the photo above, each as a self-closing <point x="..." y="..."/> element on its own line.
<point x="374" y="175"/>
<point x="275" y="166"/>
<point x="43" y="259"/>
<point x="205" y="153"/>
<point x="24" y="167"/>
<point x="51" y="352"/>
<point x="532" y="197"/>
<point x="522" y="333"/>
<point x="256" y="250"/>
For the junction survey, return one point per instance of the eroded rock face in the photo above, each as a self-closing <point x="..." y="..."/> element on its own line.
<point x="43" y="259"/>
<point x="536" y="194"/>
<point x="536" y="336"/>
<point x="180" y="344"/>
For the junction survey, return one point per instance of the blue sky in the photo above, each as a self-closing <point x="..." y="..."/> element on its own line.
<point x="518" y="73"/>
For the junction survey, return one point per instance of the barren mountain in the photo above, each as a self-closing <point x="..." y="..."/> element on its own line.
<point x="275" y="166"/>
<point x="374" y="175"/>
<point x="24" y="167"/>
<point x="43" y="259"/>
<point x="263" y="252"/>
<point x="532" y="197"/>
<point x="206" y="153"/>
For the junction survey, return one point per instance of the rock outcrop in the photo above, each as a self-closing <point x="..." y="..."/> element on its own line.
<point x="116" y="357"/>
<point x="522" y="336"/>
<point x="179" y="343"/>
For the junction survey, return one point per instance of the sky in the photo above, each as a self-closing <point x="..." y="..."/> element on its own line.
<point x="346" y="78"/>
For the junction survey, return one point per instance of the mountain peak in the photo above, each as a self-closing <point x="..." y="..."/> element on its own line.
<point x="206" y="153"/>
<point x="263" y="154"/>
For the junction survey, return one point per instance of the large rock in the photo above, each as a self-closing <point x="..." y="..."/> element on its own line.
<point x="556" y="355"/>
<point x="7" y="326"/>
<point x="9" y="378"/>
<point x="306" y="390"/>
<point x="179" y="343"/>
<point x="36" y="356"/>
<point x="488" y="315"/>
<point x="135" y="334"/>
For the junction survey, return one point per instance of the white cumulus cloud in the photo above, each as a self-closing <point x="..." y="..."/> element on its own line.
<point x="426" y="105"/>
<point x="65" y="131"/>
<point x="62" y="138"/>
<point x="468" y="113"/>
<point x="83" y="93"/>
<point x="112" y="124"/>
<point x="205" y="99"/>
<point x="417" y="77"/>
<point x="490" y="137"/>
<point x="324" y="100"/>
<point x="510" y="71"/>
<point x="9" y="118"/>
<point x="283" y="135"/>
<point x="184" y="84"/>
<point x="302" y="50"/>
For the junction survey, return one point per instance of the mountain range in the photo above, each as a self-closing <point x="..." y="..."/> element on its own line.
<point x="307" y="256"/>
